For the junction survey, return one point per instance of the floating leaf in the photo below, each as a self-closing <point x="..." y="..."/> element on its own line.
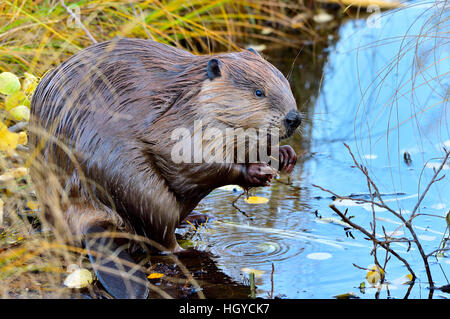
<point x="233" y="188"/>
<point x="427" y="237"/>
<point x="9" y="83"/>
<point x="404" y="280"/>
<point x="370" y="156"/>
<point x="256" y="200"/>
<point x="348" y="295"/>
<point x="438" y="206"/>
<point x="362" y="287"/>
<point x="434" y="165"/>
<point x="333" y="220"/>
<point x="374" y="275"/>
<point x="79" y="278"/>
<point x="20" y="113"/>
<point x="155" y="275"/>
<point x="268" y="247"/>
<point x="319" y="256"/>
<point x="257" y="272"/>
<point x="394" y="233"/>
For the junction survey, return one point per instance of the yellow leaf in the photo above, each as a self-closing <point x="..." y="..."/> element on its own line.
<point x="23" y="138"/>
<point x="8" y="140"/>
<point x="30" y="83"/>
<point x="32" y="204"/>
<point x="20" y="113"/>
<point x="155" y="275"/>
<point x="348" y="295"/>
<point x="256" y="200"/>
<point x="374" y="275"/>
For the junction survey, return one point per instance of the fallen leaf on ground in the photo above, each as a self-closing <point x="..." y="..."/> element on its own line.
<point x="155" y="275"/>
<point x="79" y="278"/>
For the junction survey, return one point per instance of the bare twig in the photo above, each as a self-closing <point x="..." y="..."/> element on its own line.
<point x="380" y="203"/>
<point x="78" y="21"/>
<point x="373" y="238"/>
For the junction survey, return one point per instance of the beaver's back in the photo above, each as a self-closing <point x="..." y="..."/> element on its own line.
<point x="90" y="114"/>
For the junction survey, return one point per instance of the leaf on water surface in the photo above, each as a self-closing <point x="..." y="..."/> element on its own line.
<point x="268" y="246"/>
<point x="256" y="200"/>
<point x="9" y="83"/>
<point x="258" y="273"/>
<point x="394" y="233"/>
<point x="348" y="295"/>
<point x="404" y="280"/>
<point x="333" y="220"/>
<point x="79" y="278"/>
<point x="427" y="238"/>
<point x="374" y="275"/>
<point x="155" y="275"/>
<point x="232" y="188"/>
<point x="370" y="156"/>
<point x="362" y="287"/>
<point x="438" y="206"/>
<point x="319" y="256"/>
<point x="437" y="165"/>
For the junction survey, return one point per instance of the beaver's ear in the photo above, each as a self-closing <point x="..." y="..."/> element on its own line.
<point x="254" y="51"/>
<point x="213" y="69"/>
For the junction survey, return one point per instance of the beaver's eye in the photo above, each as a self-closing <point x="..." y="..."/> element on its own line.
<point x="259" y="93"/>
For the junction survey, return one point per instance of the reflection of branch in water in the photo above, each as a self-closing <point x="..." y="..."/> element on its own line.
<point x="245" y="192"/>
<point x="374" y="239"/>
<point x="376" y="195"/>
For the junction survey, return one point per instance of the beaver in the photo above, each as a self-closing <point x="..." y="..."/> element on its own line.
<point x="101" y="125"/>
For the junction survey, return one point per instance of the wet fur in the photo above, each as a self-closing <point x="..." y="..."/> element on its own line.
<point x="101" y="124"/>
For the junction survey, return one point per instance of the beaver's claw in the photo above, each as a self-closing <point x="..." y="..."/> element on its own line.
<point x="258" y="175"/>
<point x="288" y="158"/>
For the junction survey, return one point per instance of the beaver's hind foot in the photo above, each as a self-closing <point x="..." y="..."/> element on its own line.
<point x="119" y="274"/>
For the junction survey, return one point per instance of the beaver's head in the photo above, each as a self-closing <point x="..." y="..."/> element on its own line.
<point x="245" y="91"/>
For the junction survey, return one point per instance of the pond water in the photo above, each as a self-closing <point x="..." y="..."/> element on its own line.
<point x="382" y="87"/>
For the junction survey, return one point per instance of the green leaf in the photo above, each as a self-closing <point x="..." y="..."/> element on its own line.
<point x="9" y="83"/>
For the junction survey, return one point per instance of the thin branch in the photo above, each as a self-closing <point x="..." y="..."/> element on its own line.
<point x="78" y="21"/>
<point x="374" y="239"/>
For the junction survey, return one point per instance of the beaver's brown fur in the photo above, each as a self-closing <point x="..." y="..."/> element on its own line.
<point x="101" y="124"/>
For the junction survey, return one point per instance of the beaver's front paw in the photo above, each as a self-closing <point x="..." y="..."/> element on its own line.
<point x="258" y="175"/>
<point x="288" y="158"/>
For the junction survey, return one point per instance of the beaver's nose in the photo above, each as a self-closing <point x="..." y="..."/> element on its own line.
<point x="293" y="119"/>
